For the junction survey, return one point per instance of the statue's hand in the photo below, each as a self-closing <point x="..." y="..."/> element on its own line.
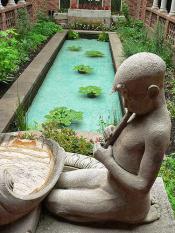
<point x="101" y="154"/>
<point x="108" y="131"/>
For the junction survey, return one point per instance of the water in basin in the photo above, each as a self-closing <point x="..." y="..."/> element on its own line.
<point x="61" y="86"/>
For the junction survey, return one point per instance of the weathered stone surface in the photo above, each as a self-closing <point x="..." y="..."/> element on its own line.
<point x="27" y="224"/>
<point x="165" y="224"/>
<point x="89" y="16"/>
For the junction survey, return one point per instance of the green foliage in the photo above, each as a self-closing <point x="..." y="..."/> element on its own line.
<point x="67" y="139"/>
<point x="9" y="55"/>
<point x="74" y="48"/>
<point x="21" y="118"/>
<point x="72" y="35"/>
<point x="63" y="116"/>
<point x="23" y="22"/>
<point x="171" y="108"/>
<point x="125" y="11"/>
<point x="83" y="69"/>
<point x="94" y="53"/>
<point x="82" y="25"/>
<point x="16" y="46"/>
<point x="167" y="172"/>
<point x="90" y="91"/>
<point x="134" y="37"/>
<point x="103" y="36"/>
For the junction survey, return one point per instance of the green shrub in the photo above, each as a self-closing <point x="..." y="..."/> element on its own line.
<point x="103" y="36"/>
<point x="134" y="37"/>
<point x="21" y="122"/>
<point x="72" y="35"/>
<point x="90" y="91"/>
<point x="16" y="48"/>
<point x="23" y="25"/>
<point x="74" y="48"/>
<point x="171" y="108"/>
<point x="67" y="139"/>
<point x="63" y="116"/>
<point x="125" y="11"/>
<point x="167" y="172"/>
<point x="83" y="69"/>
<point x="9" y="55"/>
<point x="94" y="53"/>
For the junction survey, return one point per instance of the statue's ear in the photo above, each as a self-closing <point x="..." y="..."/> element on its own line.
<point x="153" y="91"/>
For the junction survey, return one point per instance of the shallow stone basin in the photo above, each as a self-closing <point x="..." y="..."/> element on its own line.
<point x="29" y="169"/>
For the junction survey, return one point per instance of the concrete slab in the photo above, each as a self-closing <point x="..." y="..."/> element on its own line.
<point x="165" y="224"/>
<point x="116" y="49"/>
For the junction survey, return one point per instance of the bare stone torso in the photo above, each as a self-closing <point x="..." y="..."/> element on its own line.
<point x="128" y="149"/>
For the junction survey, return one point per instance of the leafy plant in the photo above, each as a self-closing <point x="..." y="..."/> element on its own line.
<point x="63" y="116"/>
<point x="74" y="48"/>
<point x="21" y="118"/>
<point x="9" y="55"/>
<point x="90" y="91"/>
<point x="125" y="11"/>
<point x="83" y="69"/>
<point x="23" y="25"/>
<point x="167" y="172"/>
<point x="94" y="53"/>
<point x="67" y="139"/>
<point x="72" y="35"/>
<point x="103" y="36"/>
<point x="134" y="37"/>
<point x="17" y="46"/>
<point x="171" y="108"/>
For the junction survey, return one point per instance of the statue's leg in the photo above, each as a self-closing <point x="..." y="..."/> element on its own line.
<point x="82" y="205"/>
<point x="83" y="178"/>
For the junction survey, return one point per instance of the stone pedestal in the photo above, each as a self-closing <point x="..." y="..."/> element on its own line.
<point x="165" y="224"/>
<point x="89" y="16"/>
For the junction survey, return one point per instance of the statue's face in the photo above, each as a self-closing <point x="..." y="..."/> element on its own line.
<point x="136" y="98"/>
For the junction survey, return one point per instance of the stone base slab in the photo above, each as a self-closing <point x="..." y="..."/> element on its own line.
<point x="166" y="224"/>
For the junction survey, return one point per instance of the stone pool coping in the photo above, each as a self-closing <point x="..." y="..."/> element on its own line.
<point x="28" y="83"/>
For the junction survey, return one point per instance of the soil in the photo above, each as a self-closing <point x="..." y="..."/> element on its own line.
<point x="4" y="87"/>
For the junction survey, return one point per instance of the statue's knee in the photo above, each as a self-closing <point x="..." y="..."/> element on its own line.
<point x="53" y="202"/>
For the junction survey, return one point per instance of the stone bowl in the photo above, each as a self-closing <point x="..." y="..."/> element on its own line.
<point x="30" y="166"/>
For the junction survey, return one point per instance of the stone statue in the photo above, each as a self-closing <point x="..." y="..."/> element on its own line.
<point x="120" y="191"/>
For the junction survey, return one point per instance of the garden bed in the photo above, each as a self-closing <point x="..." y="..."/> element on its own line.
<point x="5" y="86"/>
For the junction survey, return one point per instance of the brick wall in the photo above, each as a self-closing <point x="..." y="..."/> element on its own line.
<point x="137" y="8"/>
<point x="44" y="5"/>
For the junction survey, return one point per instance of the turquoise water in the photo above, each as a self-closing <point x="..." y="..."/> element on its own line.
<point x="61" y="87"/>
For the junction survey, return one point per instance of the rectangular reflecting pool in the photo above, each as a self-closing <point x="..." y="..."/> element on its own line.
<point x="61" y="87"/>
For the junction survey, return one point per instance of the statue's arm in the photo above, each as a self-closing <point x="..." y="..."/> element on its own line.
<point x="152" y="158"/>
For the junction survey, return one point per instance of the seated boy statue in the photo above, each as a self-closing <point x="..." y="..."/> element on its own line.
<point x="121" y="190"/>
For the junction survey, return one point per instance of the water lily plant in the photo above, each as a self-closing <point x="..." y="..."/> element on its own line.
<point x="83" y="69"/>
<point x="74" y="48"/>
<point x="94" y="53"/>
<point x="90" y="91"/>
<point x="63" y="116"/>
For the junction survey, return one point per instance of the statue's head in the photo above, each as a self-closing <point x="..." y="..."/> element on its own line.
<point x="140" y="79"/>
